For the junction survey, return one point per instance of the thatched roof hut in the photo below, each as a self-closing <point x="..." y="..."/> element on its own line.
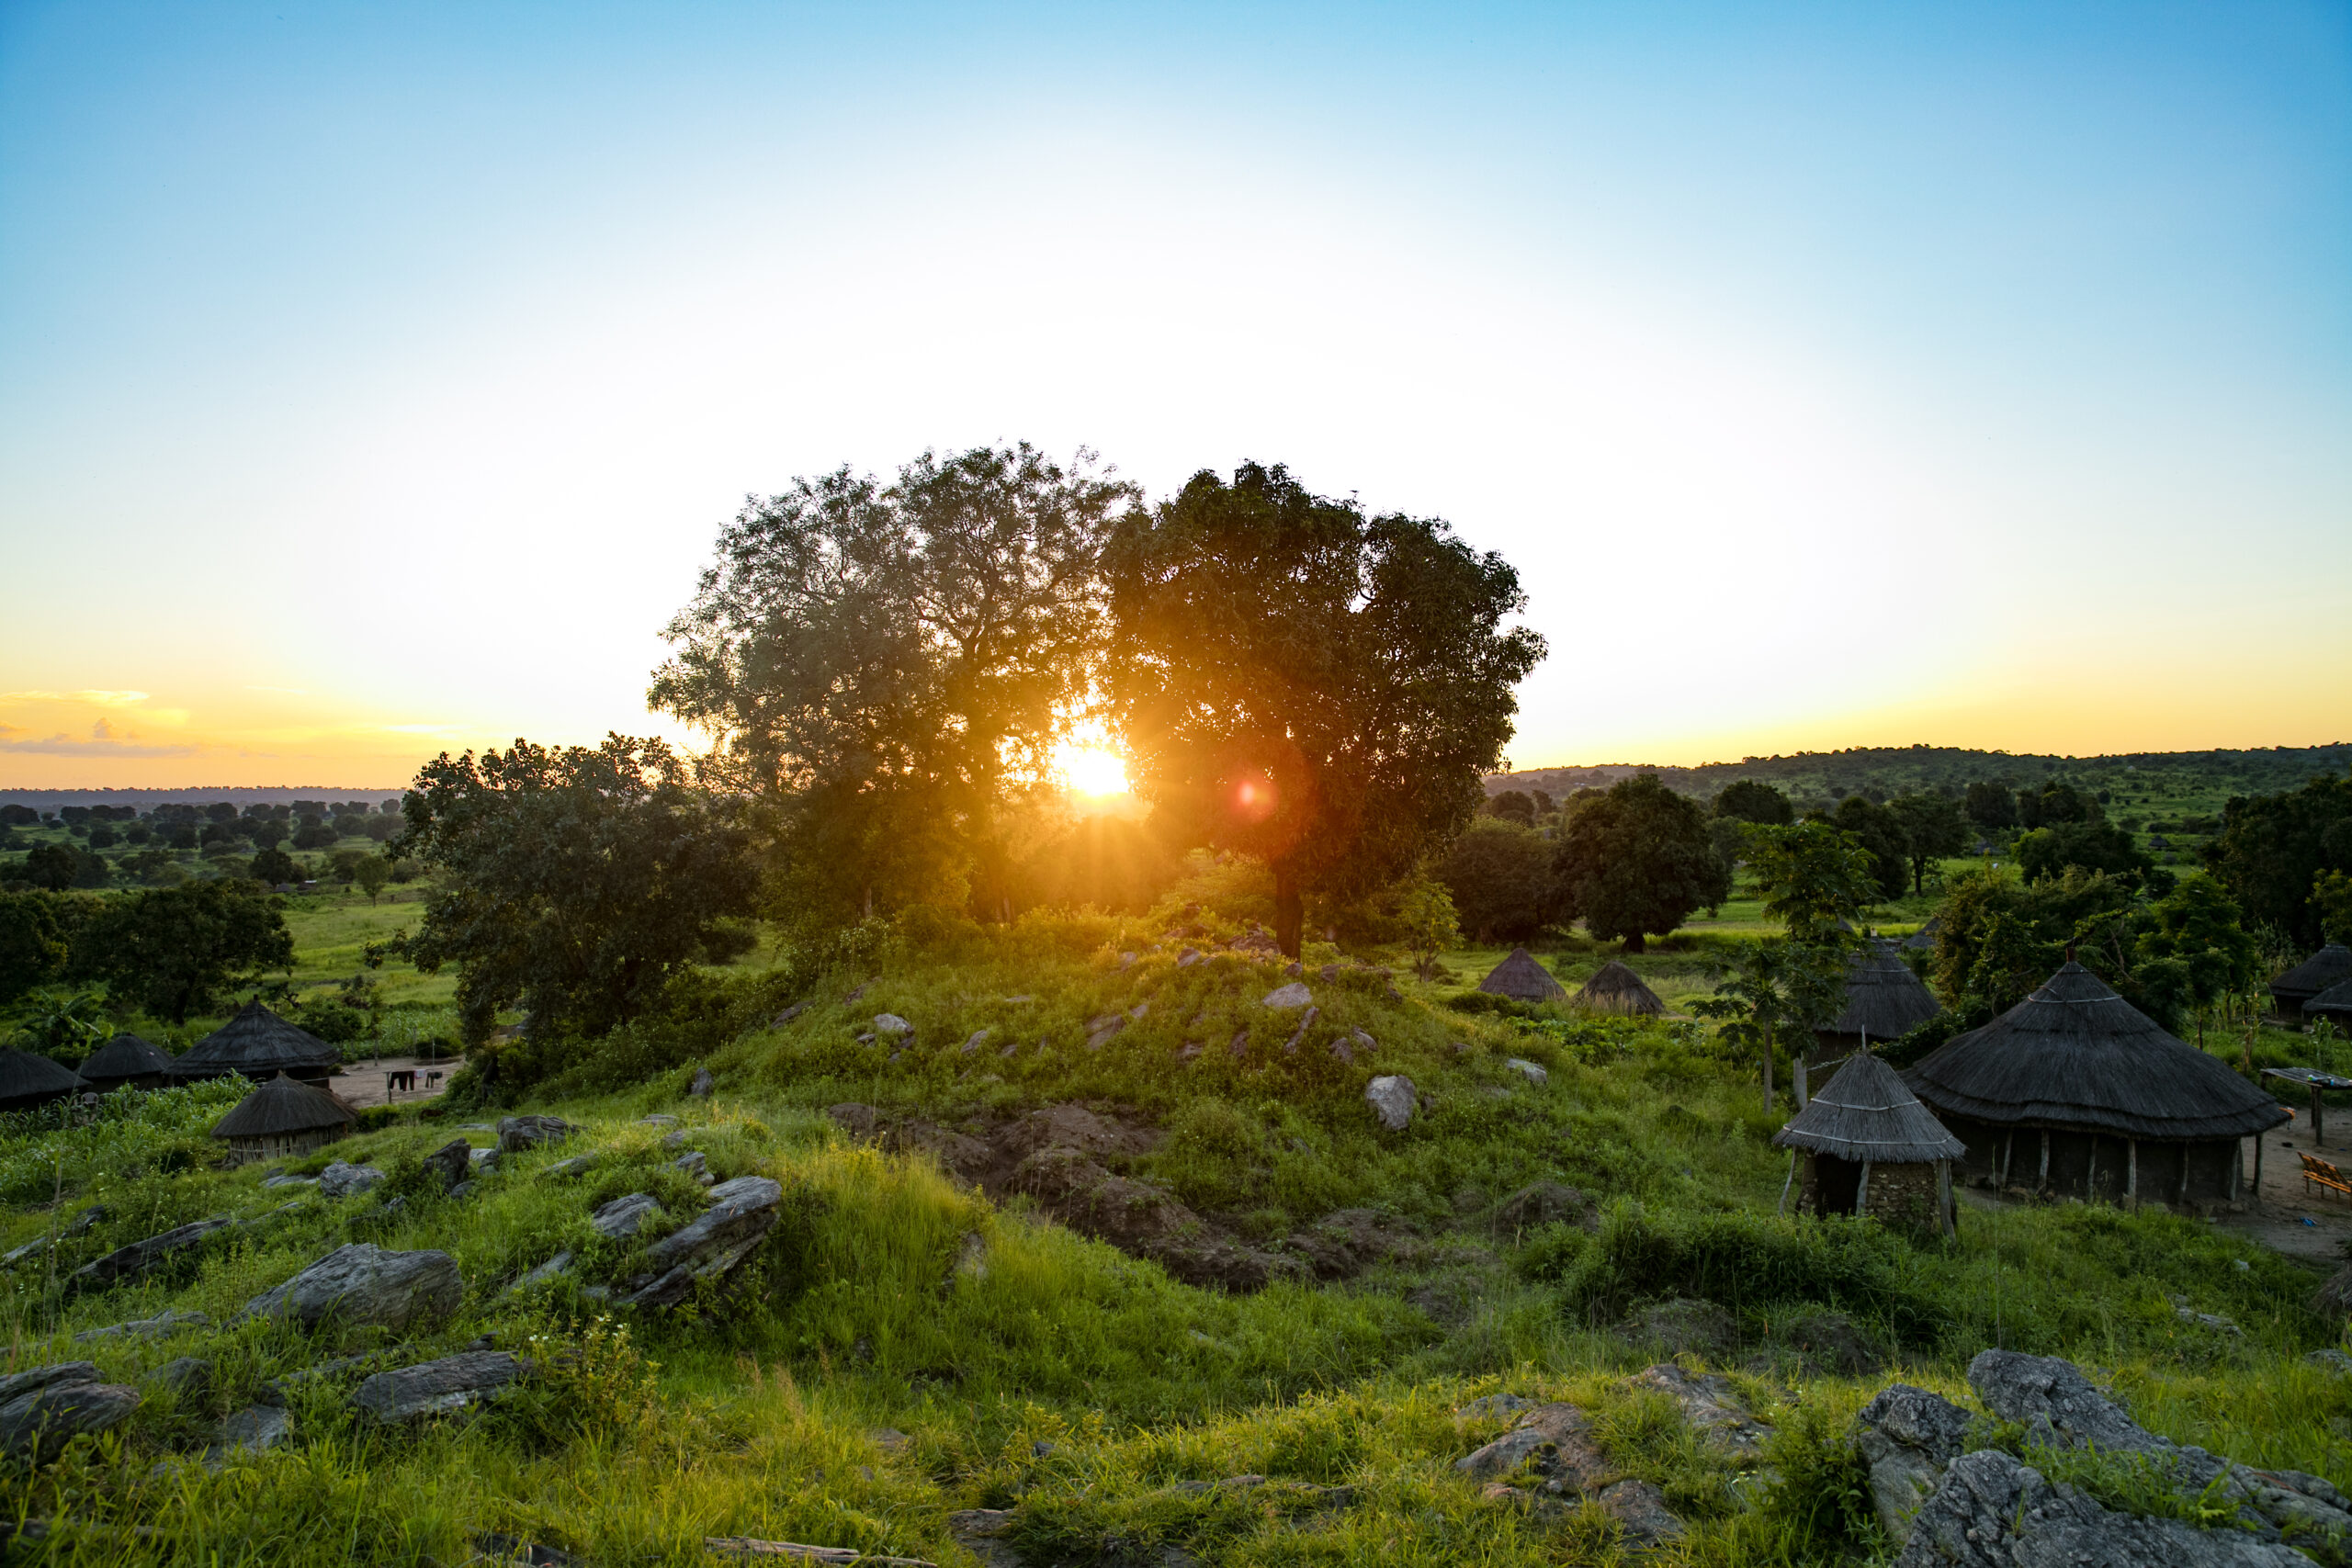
<point x="125" y="1059"/>
<point x="1522" y="979"/>
<point x="1883" y="1000"/>
<point x="258" y="1044"/>
<point x="1924" y="939"/>
<point x="2333" y="1004"/>
<point x="1618" y="989"/>
<point x="283" y="1119"/>
<point x="1866" y="1145"/>
<point x="2109" y="1105"/>
<point x="26" y="1080"/>
<point x="2294" y="991"/>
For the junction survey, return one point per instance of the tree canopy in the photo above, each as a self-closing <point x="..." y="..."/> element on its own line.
<point x="1302" y="682"/>
<point x="1877" y="829"/>
<point x="1752" y="800"/>
<point x="1932" y="828"/>
<point x="2271" y="848"/>
<point x="1637" y="860"/>
<point x="2094" y="846"/>
<point x="1498" y="876"/>
<point x="175" y="950"/>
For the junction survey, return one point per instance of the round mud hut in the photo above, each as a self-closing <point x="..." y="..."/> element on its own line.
<point x="282" y="1119"/>
<point x="28" y="1081"/>
<point x="127" y="1059"/>
<point x="1866" y="1145"/>
<point x="1618" y="989"/>
<point x="2293" y="992"/>
<point x="1522" y="979"/>
<point x="1883" y="1000"/>
<point x="258" y="1044"/>
<point x="2075" y="1092"/>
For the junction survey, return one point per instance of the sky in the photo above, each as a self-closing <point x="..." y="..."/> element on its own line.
<point x="374" y="377"/>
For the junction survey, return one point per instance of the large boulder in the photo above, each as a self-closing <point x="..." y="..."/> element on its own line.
<point x="742" y="1214"/>
<point x="341" y="1180"/>
<point x="452" y="1162"/>
<point x="154" y="1328"/>
<point x="1993" y="1511"/>
<point x="129" y="1262"/>
<point x="625" y="1215"/>
<point x="44" y="1409"/>
<point x="1908" y="1437"/>
<point x="366" y="1285"/>
<point x="1392" y="1100"/>
<point x="1709" y="1408"/>
<point x="437" y="1388"/>
<point x="517" y="1134"/>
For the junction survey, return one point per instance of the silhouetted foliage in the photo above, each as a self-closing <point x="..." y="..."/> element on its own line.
<point x="2094" y="846"/>
<point x="1637" y="862"/>
<point x="175" y="950"/>
<point x="2270" y="847"/>
<point x="1500" y="876"/>
<point x="1752" y="800"/>
<point x="1877" y="829"/>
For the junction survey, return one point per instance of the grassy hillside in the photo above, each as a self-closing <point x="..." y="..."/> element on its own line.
<point x="929" y="1279"/>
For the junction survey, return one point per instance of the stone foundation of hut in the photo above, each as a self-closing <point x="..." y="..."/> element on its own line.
<point x="1903" y="1195"/>
<point x="281" y="1146"/>
<point x="2195" y="1175"/>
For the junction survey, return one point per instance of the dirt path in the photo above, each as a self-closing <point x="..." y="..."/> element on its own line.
<point x="361" y="1084"/>
<point x="2294" y="1218"/>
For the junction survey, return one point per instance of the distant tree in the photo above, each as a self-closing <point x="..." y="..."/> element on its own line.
<point x="1426" y="914"/>
<point x="1932" y="828"/>
<point x="15" y="815"/>
<point x="344" y="864"/>
<point x="1543" y="803"/>
<point x="1515" y="805"/>
<point x="181" y="836"/>
<point x="2055" y="804"/>
<point x="54" y="866"/>
<point x="1752" y="800"/>
<point x="172" y="950"/>
<point x="315" y="835"/>
<point x="1638" y="861"/>
<point x="221" y="811"/>
<point x="1498" y="880"/>
<point x="102" y="837"/>
<point x="2094" y="846"/>
<point x="1302" y="682"/>
<point x="390" y="808"/>
<point x="372" y="873"/>
<point x="274" y="865"/>
<point x="138" y="833"/>
<point x="350" y="826"/>
<point x="573" y="882"/>
<point x="2270" y="848"/>
<point x="381" y="829"/>
<point x="37" y="931"/>
<point x="268" y="832"/>
<point x="2199" y="928"/>
<point x="1877" y="829"/>
<point x="2331" y="902"/>
<point x="1990" y="805"/>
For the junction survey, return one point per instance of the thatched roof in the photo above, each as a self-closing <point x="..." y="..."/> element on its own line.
<point x="1618" y="989"/>
<point x="125" y="1056"/>
<point x="257" y="1042"/>
<point x="24" y="1076"/>
<point x="2330" y="966"/>
<point x="1520" y="977"/>
<point x="1924" y="939"/>
<point x="281" y="1106"/>
<point x="1883" y="998"/>
<point x="2334" y="1004"/>
<point x="2076" y="1055"/>
<point x="1865" y="1112"/>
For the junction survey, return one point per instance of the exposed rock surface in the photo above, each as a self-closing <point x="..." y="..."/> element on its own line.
<point x="1550" y="1447"/>
<point x="553" y="1268"/>
<point x="517" y="1134"/>
<point x="184" y="1377"/>
<point x="452" y="1162"/>
<point x="129" y="1262"/>
<point x="1392" y="1100"/>
<point x="1531" y="1071"/>
<point x="1347" y="1241"/>
<point x="146" y="1327"/>
<point x="1709" y="1407"/>
<point x="435" y="1388"/>
<point x="361" y="1284"/>
<point x="43" y="1408"/>
<point x="702" y="1085"/>
<point x="254" y="1429"/>
<point x="1908" y="1437"/>
<point x="1283" y="998"/>
<point x="742" y="1214"/>
<point x="1993" y="1511"/>
<point x="623" y="1216"/>
<point x="341" y="1180"/>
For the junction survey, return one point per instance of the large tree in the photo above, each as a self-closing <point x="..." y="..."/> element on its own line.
<point x="1932" y="828"/>
<point x="1499" y="875"/>
<point x="1877" y="829"/>
<point x="2094" y="846"/>
<point x="1636" y="861"/>
<point x="574" y="882"/>
<point x="1304" y="683"/>
<point x="2271" y="847"/>
<point x="887" y="667"/>
<point x="175" y="950"/>
<point x="1752" y="800"/>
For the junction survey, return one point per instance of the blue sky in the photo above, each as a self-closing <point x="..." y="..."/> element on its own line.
<point x="373" y="377"/>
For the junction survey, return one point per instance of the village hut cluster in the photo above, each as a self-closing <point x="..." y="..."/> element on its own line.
<point x="1615" y="989"/>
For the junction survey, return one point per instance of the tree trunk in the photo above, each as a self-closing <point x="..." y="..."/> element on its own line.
<point x="1290" y="910"/>
<point x="1635" y="942"/>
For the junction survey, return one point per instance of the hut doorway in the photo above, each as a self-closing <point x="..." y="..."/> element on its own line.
<point x="1837" y="1183"/>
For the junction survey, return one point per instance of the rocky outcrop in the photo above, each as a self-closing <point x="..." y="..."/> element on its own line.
<point x="1994" y="1511"/>
<point x="1709" y="1408"/>
<point x="184" y="1377"/>
<point x="362" y="1285"/>
<point x="154" y="1328"/>
<point x="742" y="1214"/>
<point x="341" y="1180"/>
<point x="437" y="1388"/>
<point x="625" y="1215"/>
<point x="1549" y="1449"/>
<point x="254" y="1429"/>
<point x="1392" y="1098"/>
<point x="517" y="1134"/>
<point x="44" y="1409"/>
<point x="1144" y="1221"/>
<point x="452" y="1162"/>
<point x="1908" y="1437"/>
<point x="129" y="1262"/>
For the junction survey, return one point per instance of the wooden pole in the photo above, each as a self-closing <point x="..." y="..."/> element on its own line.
<point x="2132" y="1170"/>
<point x="2041" y="1182"/>
<point x="1788" y="1183"/>
<point x="1862" y="1192"/>
<point x="2091" y="1179"/>
<point x="2182" y="1201"/>
<point x="2008" y="1150"/>
<point x="2258" y="1170"/>
<point x="1801" y="1080"/>
<point x="1943" y="1197"/>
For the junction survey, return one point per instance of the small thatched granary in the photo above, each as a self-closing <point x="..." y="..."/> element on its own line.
<point x="2076" y="1092"/>
<point x="2323" y="970"/>
<point x="125" y="1059"/>
<point x="1618" y="989"/>
<point x="259" y="1044"/>
<point x="1866" y="1145"/>
<point x="2334" y="1005"/>
<point x="1924" y="939"/>
<point x="1521" y="979"/>
<point x="26" y="1080"/>
<point x="281" y="1120"/>
<point x="1883" y="1000"/>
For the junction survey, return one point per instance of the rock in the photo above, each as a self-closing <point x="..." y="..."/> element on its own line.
<point x="31" y="1249"/>
<point x="2056" y="1403"/>
<point x="1640" y="1510"/>
<point x="129" y="1262"/>
<point x="1492" y="1407"/>
<point x="435" y="1388"/>
<point x="341" y="1180"/>
<point x="787" y="1015"/>
<point x="185" y="1378"/>
<point x="1240" y="1046"/>
<point x="1342" y="1052"/>
<point x="44" y="1409"/>
<point x="1541" y="1204"/>
<point x="674" y="1141"/>
<point x="483" y="1159"/>
<point x="147" y="1327"/>
<point x="857" y="1120"/>
<point x="1709" y="1408"/>
<point x="1993" y="1512"/>
<point x="658" y="1119"/>
<point x="1831" y="1342"/>
<point x="694" y="1164"/>
<point x="1392" y="1100"/>
<point x="1347" y="1241"/>
<point x="980" y="1038"/>
<point x="553" y="1268"/>
<point x="254" y="1429"/>
<point x="982" y="1532"/>
<point x="1687" y="1325"/>
<point x="1553" y="1439"/>
<point x="1908" y="1437"/>
<point x="2332" y="1360"/>
<point x="572" y="1167"/>
<point x="856" y="994"/>
<point x="1283" y="998"/>
<point x="890" y="1440"/>
<point x="742" y="1214"/>
<point x="461" y="1190"/>
<point x="1187" y="958"/>
<point x="1531" y="1071"/>
<point x="1099" y="1029"/>
<point x="1306" y="1021"/>
<point x="891" y="1023"/>
<point x="2206" y="1320"/>
<point x="452" y="1162"/>
<point x="85" y="1220"/>
<point x="366" y="1285"/>
<point x="625" y="1216"/>
<point x="702" y="1085"/>
<point x="517" y="1134"/>
<point x="276" y="1181"/>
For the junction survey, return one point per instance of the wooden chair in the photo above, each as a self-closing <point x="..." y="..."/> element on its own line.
<point x="2318" y="1172"/>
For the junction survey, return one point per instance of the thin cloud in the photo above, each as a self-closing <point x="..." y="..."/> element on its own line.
<point x="100" y="699"/>
<point x="64" y="745"/>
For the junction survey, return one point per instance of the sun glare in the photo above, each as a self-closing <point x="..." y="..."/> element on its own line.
<point x="1092" y="769"/>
